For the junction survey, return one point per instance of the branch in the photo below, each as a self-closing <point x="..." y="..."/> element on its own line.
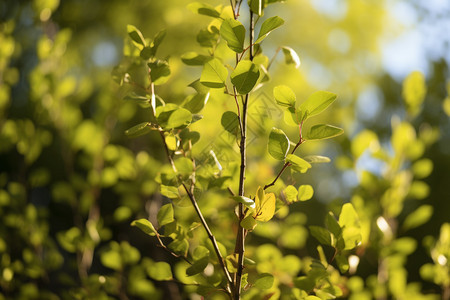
<point x="202" y="219"/>
<point x="240" y="238"/>
<point x="287" y="164"/>
<point x="170" y="251"/>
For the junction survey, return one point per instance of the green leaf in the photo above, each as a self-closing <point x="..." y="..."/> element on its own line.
<point x="207" y="38"/>
<point x="264" y="281"/>
<point x="414" y="91"/>
<point x="323" y="131"/>
<point x="157" y="40"/>
<point x="160" y="271"/>
<point x="418" y="217"/>
<point x="305" y="192"/>
<point x="342" y="263"/>
<point x="233" y="32"/>
<point x="291" y="194"/>
<point x="284" y="96"/>
<point x="165" y="215"/>
<point x="194" y="59"/>
<point x="195" y="103"/>
<point x="214" y="74"/>
<point x="305" y="284"/>
<point x="248" y="223"/>
<point x="112" y="259"/>
<point x="145" y="225"/>
<point x="230" y="122"/>
<point x="316" y="159"/>
<point x="257" y="6"/>
<point x="298" y="163"/>
<point x="138" y="130"/>
<point x="198" y="266"/>
<point x="321" y="234"/>
<point x="265" y="206"/>
<point x="203" y="9"/>
<point x="278" y="144"/>
<point x="180" y="247"/>
<point x="351" y="230"/>
<point x="136" y="36"/>
<point x="245" y="76"/>
<point x="170" y="192"/>
<point x="184" y="166"/>
<point x="200" y="252"/>
<point x="159" y="71"/>
<point x="291" y="57"/>
<point x="333" y="225"/>
<point x="172" y="116"/>
<point x="268" y="26"/>
<point x="245" y="200"/>
<point x="140" y="99"/>
<point x="316" y="103"/>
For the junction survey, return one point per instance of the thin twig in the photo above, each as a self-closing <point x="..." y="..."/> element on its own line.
<point x="170" y="251"/>
<point x="202" y="219"/>
<point x="287" y="164"/>
<point x="240" y="238"/>
<point x="273" y="58"/>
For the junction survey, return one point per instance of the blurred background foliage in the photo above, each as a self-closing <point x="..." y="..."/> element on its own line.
<point x="71" y="181"/>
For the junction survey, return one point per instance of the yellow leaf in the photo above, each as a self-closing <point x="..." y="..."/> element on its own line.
<point x="265" y="208"/>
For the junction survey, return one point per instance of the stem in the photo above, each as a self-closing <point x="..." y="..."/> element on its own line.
<point x="240" y="238"/>
<point x="287" y="164"/>
<point x="161" y="244"/>
<point x="202" y="219"/>
<point x="273" y="58"/>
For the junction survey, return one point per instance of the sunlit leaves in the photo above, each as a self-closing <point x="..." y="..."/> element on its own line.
<point x="414" y="91"/>
<point x="422" y="168"/>
<point x="316" y="159"/>
<point x="194" y="59"/>
<point x="245" y="76"/>
<point x="264" y="206"/>
<point x="233" y="32"/>
<point x="204" y="9"/>
<point x="418" y="217"/>
<point x="351" y="229"/>
<point x="291" y="57"/>
<point x="291" y="193"/>
<point x="159" y="71"/>
<point x="323" y="131"/>
<point x="136" y="36"/>
<point x="278" y="144"/>
<point x="145" y="225"/>
<point x="264" y="281"/>
<point x="173" y="116"/>
<point x="245" y="200"/>
<point x="284" y="96"/>
<point x="214" y="74"/>
<point x="321" y="234"/>
<point x="230" y="122"/>
<point x="184" y="166"/>
<point x="165" y="215"/>
<point x="305" y="192"/>
<point x="195" y="103"/>
<point x="198" y="266"/>
<point x="138" y="130"/>
<point x="160" y="271"/>
<point x="268" y="26"/>
<point x="316" y="103"/>
<point x="248" y="222"/>
<point x="297" y="163"/>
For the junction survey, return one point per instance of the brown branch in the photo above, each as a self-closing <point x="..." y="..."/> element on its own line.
<point x="202" y="219"/>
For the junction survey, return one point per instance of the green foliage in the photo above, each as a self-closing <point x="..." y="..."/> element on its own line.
<point x="200" y="188"/>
